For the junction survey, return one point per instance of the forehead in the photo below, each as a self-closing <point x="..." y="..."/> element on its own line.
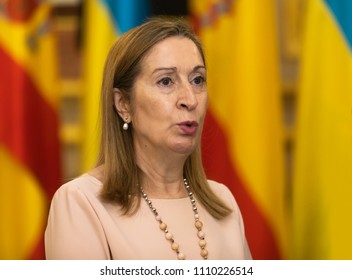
<point x="172" y="52"/>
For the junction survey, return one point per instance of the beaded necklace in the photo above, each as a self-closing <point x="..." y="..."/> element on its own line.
<point x="197" y="223"/>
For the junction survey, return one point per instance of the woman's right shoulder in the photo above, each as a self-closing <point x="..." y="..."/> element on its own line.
<point x="85" y="183"/>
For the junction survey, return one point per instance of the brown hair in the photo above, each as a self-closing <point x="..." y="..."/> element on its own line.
<point x="121" y="173"/>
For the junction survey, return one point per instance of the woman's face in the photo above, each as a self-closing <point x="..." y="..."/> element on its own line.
<point x="170" y="98"/>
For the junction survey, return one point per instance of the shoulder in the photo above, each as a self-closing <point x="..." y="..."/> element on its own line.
<point x="84" y="185"/>
<point x="224" y="193"/>
<point x="80" y="196"/>
<point x="220" y="189"/>
<point x="76" y="220"/>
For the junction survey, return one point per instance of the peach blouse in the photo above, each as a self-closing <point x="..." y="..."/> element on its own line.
<point x="82" y="226"/>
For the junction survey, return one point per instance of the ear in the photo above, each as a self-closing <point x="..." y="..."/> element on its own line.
<point x="121" y="104"/>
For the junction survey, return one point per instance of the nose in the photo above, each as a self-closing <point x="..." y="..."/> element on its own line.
<point x="187" y="98"/>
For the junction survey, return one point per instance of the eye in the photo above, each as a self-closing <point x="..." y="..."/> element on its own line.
<point x="199" y="80"/>
<point x="166" y="81"/>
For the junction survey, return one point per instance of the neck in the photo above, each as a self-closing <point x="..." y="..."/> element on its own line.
<point x="161" y="170"/>
<point x="161" y="179"/>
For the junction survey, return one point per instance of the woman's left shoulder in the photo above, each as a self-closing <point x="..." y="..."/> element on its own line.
<point x="223" y="192"/>
<point x="219" y="188"/>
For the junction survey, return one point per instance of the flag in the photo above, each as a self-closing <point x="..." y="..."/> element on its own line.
<point x="322" y="183"/>
<point x="104" y="20"/>
<point x="29" y="143"/>
<point x="243" y="144"/>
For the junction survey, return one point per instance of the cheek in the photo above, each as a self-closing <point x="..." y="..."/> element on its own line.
<point x="149" y="110"/>
<point x="203" y="104"/>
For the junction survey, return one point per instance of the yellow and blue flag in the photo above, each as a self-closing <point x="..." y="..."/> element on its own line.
<point x="104" y="21"/>
<point x="322" y="187"/>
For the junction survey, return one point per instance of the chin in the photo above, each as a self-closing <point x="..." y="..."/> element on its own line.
<point x="183" y="148"/>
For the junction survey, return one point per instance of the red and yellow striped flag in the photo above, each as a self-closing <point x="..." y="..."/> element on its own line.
<point x="29" y="145"/>
<point x="243" y="133"/>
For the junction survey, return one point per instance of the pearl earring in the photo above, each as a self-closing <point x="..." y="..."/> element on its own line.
<point x="125" y="125"/>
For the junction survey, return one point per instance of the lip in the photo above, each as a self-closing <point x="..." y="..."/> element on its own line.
<point x="188" y="127"/>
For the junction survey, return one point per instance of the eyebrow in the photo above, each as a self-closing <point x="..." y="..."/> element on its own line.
<point x="174" y="69"/>
<point x="171" y="69"/>
<point x="199" y="67"/>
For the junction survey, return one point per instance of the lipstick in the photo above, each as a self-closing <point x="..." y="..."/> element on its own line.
<point x="188" y="127"/>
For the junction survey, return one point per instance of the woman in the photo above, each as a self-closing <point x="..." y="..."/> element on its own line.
<point x="148" y="197"/>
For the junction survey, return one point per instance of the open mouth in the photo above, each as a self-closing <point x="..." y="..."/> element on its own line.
<point x="190" y="123"/>
<point x="188" y="127"/>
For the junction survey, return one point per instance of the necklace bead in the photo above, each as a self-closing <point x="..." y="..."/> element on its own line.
<point x="198" y="225"/>
<point x="202" y="243"/>
<point x="204" y="253"/>
<point x="168" y="236"/>
<point x="181" y="256"/>
<point x="175" y="246"/>
<point x="201" y="234"/>
<point x="163" y="226"/>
